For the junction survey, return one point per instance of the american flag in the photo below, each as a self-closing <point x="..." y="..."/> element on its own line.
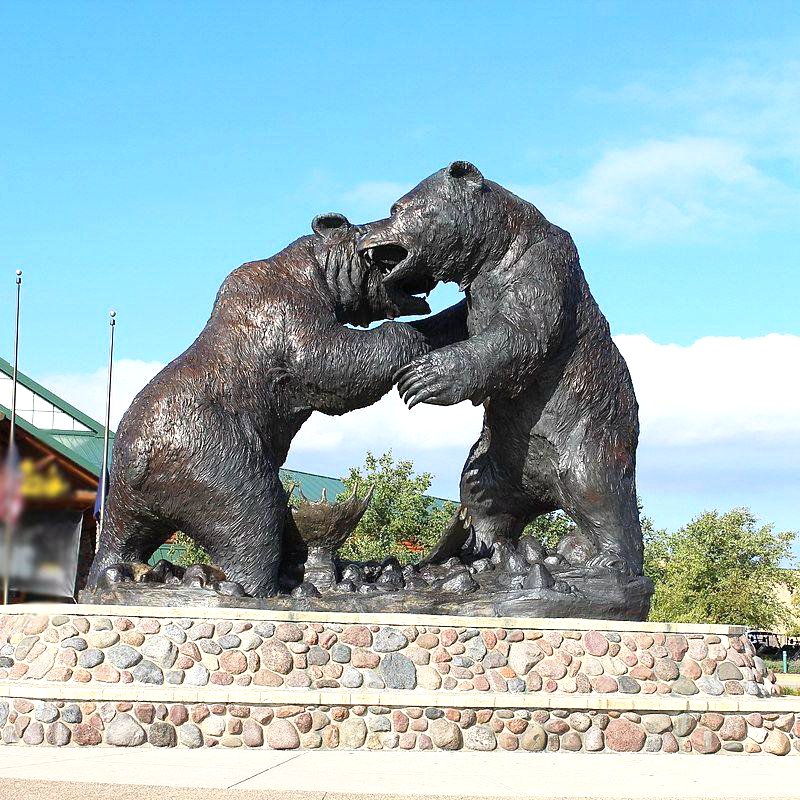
<point x="11" y="499"/>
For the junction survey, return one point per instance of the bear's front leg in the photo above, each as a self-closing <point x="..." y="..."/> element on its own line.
<point x="500" y="360"/>
<point x="444" y="377"/>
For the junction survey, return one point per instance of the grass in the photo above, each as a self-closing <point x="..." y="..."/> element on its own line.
<point x="776" y="665"/>
<point x="790" y="690"/>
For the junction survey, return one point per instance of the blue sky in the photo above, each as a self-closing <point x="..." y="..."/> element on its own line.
<point x="146" y="149"/>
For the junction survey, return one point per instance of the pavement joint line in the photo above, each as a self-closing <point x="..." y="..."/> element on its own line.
<point x="264" y="771"/>
<point x="575" y="776"/>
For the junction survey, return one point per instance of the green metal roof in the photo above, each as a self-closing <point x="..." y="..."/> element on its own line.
<point x="88" y="447"/>
<point x="312" y="485"/>
<point x="89" y="454"/>
<point x="84" y="448"/>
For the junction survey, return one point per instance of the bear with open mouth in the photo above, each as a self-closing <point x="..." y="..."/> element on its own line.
<point x="200" y="446"/>
<point x="528" y="342"/>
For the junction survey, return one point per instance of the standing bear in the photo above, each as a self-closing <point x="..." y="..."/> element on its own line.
<point x="200" y="446"/>
<point x="528" y="341"/>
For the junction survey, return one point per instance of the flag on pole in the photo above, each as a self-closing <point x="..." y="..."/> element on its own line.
<point x="102" y="489"/>
<point x="102" y="492"/>
<point x="11" y="499"/>
<point x="11" y="478"/>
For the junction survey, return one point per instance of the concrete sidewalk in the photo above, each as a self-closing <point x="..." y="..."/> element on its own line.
<point x="33" y="773"/>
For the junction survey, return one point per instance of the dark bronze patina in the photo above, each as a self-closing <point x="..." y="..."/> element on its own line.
<point x="200" y="447"/>
<point x="530" y="343"/>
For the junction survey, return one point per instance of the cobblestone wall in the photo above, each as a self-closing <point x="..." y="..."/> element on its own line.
<point x="327" y="681"/>
<point x="290" y="727"/>
<point x="198" y="652"/>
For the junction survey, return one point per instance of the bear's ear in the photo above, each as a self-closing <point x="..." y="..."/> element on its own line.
<point x="464" y="171"/>
<point x="325" y="224"/>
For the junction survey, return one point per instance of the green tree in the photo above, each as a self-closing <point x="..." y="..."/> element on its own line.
<point x="720" y="568"/>
<point x="549" y="529"/>
<point x="186" y="552"/>
<point x="793" y="583"/>
<point x="401" y="520"/>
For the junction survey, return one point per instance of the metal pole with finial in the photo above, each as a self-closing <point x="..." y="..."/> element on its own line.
<point x="10" y="465"/>
<point x="102" y="488"/>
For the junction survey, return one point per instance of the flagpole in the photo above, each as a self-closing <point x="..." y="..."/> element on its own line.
<point x="12" y="431"/>
<point x="112" y="321"/>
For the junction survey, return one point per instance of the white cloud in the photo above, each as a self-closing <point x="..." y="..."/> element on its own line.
<point x="704" y="407"/>
<point x="755" y="100"/>
<point x="713" y="390"/>
<point x="389" y="424"/>
<point x="728" y="133"/>
<point x="87" y="391"/>
<point x="660" y="188"/>
<point x="716" y="389"/>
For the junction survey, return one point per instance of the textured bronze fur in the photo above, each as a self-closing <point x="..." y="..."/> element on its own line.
<point x="530" y="343"/>
<point x="200" y="447"/>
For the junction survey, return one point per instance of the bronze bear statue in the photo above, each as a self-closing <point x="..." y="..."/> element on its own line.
<point x="200" y="447"/>
<point x="528" y="342"/>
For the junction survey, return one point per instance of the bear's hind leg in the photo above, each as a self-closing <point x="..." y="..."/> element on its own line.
<point x="488" y="513"/>
<point x="499" y="505"/>
<point x="602" y="503"/>
<point x="243" y="535"/>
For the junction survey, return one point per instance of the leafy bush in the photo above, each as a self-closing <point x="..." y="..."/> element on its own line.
<point x="720" y="568"/>
<point x="401" y="520"/>
<point x="185" y="551"/>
